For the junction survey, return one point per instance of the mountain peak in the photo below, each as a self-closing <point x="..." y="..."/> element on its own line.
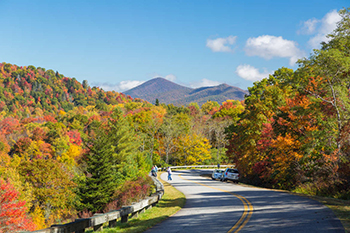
<point x="169" y="92"/>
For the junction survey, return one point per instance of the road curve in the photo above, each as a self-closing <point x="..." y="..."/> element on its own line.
<point x="214" y="206"/>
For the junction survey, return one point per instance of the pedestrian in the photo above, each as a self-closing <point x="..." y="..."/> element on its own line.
<point x="156" y="168"/>
<point x="153" y="172"/>
<point x="169" y="173"/>
<point x="218" y="165"/>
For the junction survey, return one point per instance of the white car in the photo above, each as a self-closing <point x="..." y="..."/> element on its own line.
<point x="217" y="174"/>
<point x="230" y="174"/>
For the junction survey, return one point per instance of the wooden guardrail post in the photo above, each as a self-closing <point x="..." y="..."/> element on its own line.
<point x="125" y="218"/>
<point x="112" y="223"/>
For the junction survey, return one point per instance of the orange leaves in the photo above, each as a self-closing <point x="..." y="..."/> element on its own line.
<point x="13" y="215"/>
<point x="285" y="153"/>
<point x="8" y="125"/>
<point x="314" y="83"/>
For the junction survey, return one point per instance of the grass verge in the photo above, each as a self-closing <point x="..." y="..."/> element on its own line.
<point x="172" y="201"/>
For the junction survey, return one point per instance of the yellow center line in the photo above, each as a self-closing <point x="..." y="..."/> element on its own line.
<point x="248" y="207"/>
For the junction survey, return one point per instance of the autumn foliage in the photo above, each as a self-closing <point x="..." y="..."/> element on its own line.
<point x="13" y="213"/>
<point x="73" y="150"/>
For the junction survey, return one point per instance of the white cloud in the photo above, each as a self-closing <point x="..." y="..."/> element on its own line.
<point x="169" y="77"/>
<point x="220" y="44"/>
<point x="250" y="73"/>
<point x="325" y="26"/>
<point x="267" y="47"/>
<point x="120" y="87"/>
<point x="204" y="83"/>
<point x="309" y="26"/>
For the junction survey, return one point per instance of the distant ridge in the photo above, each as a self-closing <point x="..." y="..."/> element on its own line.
<point x="171" y="93"/>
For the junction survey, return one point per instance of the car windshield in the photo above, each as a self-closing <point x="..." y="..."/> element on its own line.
<point x="232" y="170"/>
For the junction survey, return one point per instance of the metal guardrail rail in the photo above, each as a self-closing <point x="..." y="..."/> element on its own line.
<point x="196" y="167"/>
<point x="97" y="221"/>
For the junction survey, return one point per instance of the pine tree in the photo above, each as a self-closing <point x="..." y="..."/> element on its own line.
<point x="112" y="159"/>
<point x="126" y="146"/>
<point x="96" y="190"/>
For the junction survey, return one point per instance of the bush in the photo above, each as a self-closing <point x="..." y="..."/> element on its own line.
<point x="132" y="191"/>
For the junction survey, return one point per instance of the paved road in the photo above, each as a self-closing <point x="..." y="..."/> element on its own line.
<point x="214" y="206"/>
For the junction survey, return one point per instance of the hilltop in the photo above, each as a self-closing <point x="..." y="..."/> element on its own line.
<point x="32" y="88"/>
<point x="171" y="93"/>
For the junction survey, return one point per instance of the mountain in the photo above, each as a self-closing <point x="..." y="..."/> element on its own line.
<point x="27" y="89"/>
<point x="168" y="92"/>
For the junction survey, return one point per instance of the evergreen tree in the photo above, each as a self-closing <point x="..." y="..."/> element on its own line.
<point x="112" y="159"/>
<point x="126" y="146"/>
<point x="96" y="190"/>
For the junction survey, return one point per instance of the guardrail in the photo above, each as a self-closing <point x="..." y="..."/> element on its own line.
<point x="196" y="166"/>
<point x="97" y="221"/>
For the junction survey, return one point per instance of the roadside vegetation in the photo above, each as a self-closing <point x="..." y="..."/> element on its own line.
<point x="172" y="201"/>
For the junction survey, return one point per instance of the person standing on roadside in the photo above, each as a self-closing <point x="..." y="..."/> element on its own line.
<point x="169" y="173"/>
<point x="153" y="172"/>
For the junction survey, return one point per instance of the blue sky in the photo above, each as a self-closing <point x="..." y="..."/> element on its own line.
<point x="119" y="44"/>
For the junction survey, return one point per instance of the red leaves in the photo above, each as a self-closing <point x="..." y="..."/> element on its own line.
<point x="8" y="125"/>
<point x="13" y="215"/>
<point x="74" y="137"/>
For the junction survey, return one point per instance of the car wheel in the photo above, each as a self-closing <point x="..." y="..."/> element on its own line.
<point x="212" y="178"/>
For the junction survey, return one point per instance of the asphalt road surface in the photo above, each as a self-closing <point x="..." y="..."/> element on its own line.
<point x="214" y="206"/>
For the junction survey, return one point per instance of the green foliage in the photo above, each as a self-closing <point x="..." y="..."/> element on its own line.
<point x="96" y="189"/>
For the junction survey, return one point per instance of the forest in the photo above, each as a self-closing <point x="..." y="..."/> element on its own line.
<point x="68" y="150"/>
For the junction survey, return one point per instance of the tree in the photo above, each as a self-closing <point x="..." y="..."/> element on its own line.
<point x="261" y="105"/>
<point x="325" y="75"/>
<point x="169" y="132"/>
<point x="13" y="214"/>
<point x="111" y="159"/>
<point x="52" y="187"/>
<point x="97" y="187"/>
<point x="193" y="149"/>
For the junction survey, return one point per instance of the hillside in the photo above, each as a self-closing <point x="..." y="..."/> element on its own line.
<point x="168" y="92"/>
<point x="33" y="88"/>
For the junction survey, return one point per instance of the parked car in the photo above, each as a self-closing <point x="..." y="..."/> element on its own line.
<point x="217" y="174"/>
<point x="230" y="174"/>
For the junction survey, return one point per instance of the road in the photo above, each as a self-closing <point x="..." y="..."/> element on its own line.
<point x="214" y="206"/>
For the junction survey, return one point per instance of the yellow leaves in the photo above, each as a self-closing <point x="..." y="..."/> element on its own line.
<point x="38" y="218"/>
<point x="61" y="113"/>
<point x="70" y="156"/>
<point x="193" y="149"/>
